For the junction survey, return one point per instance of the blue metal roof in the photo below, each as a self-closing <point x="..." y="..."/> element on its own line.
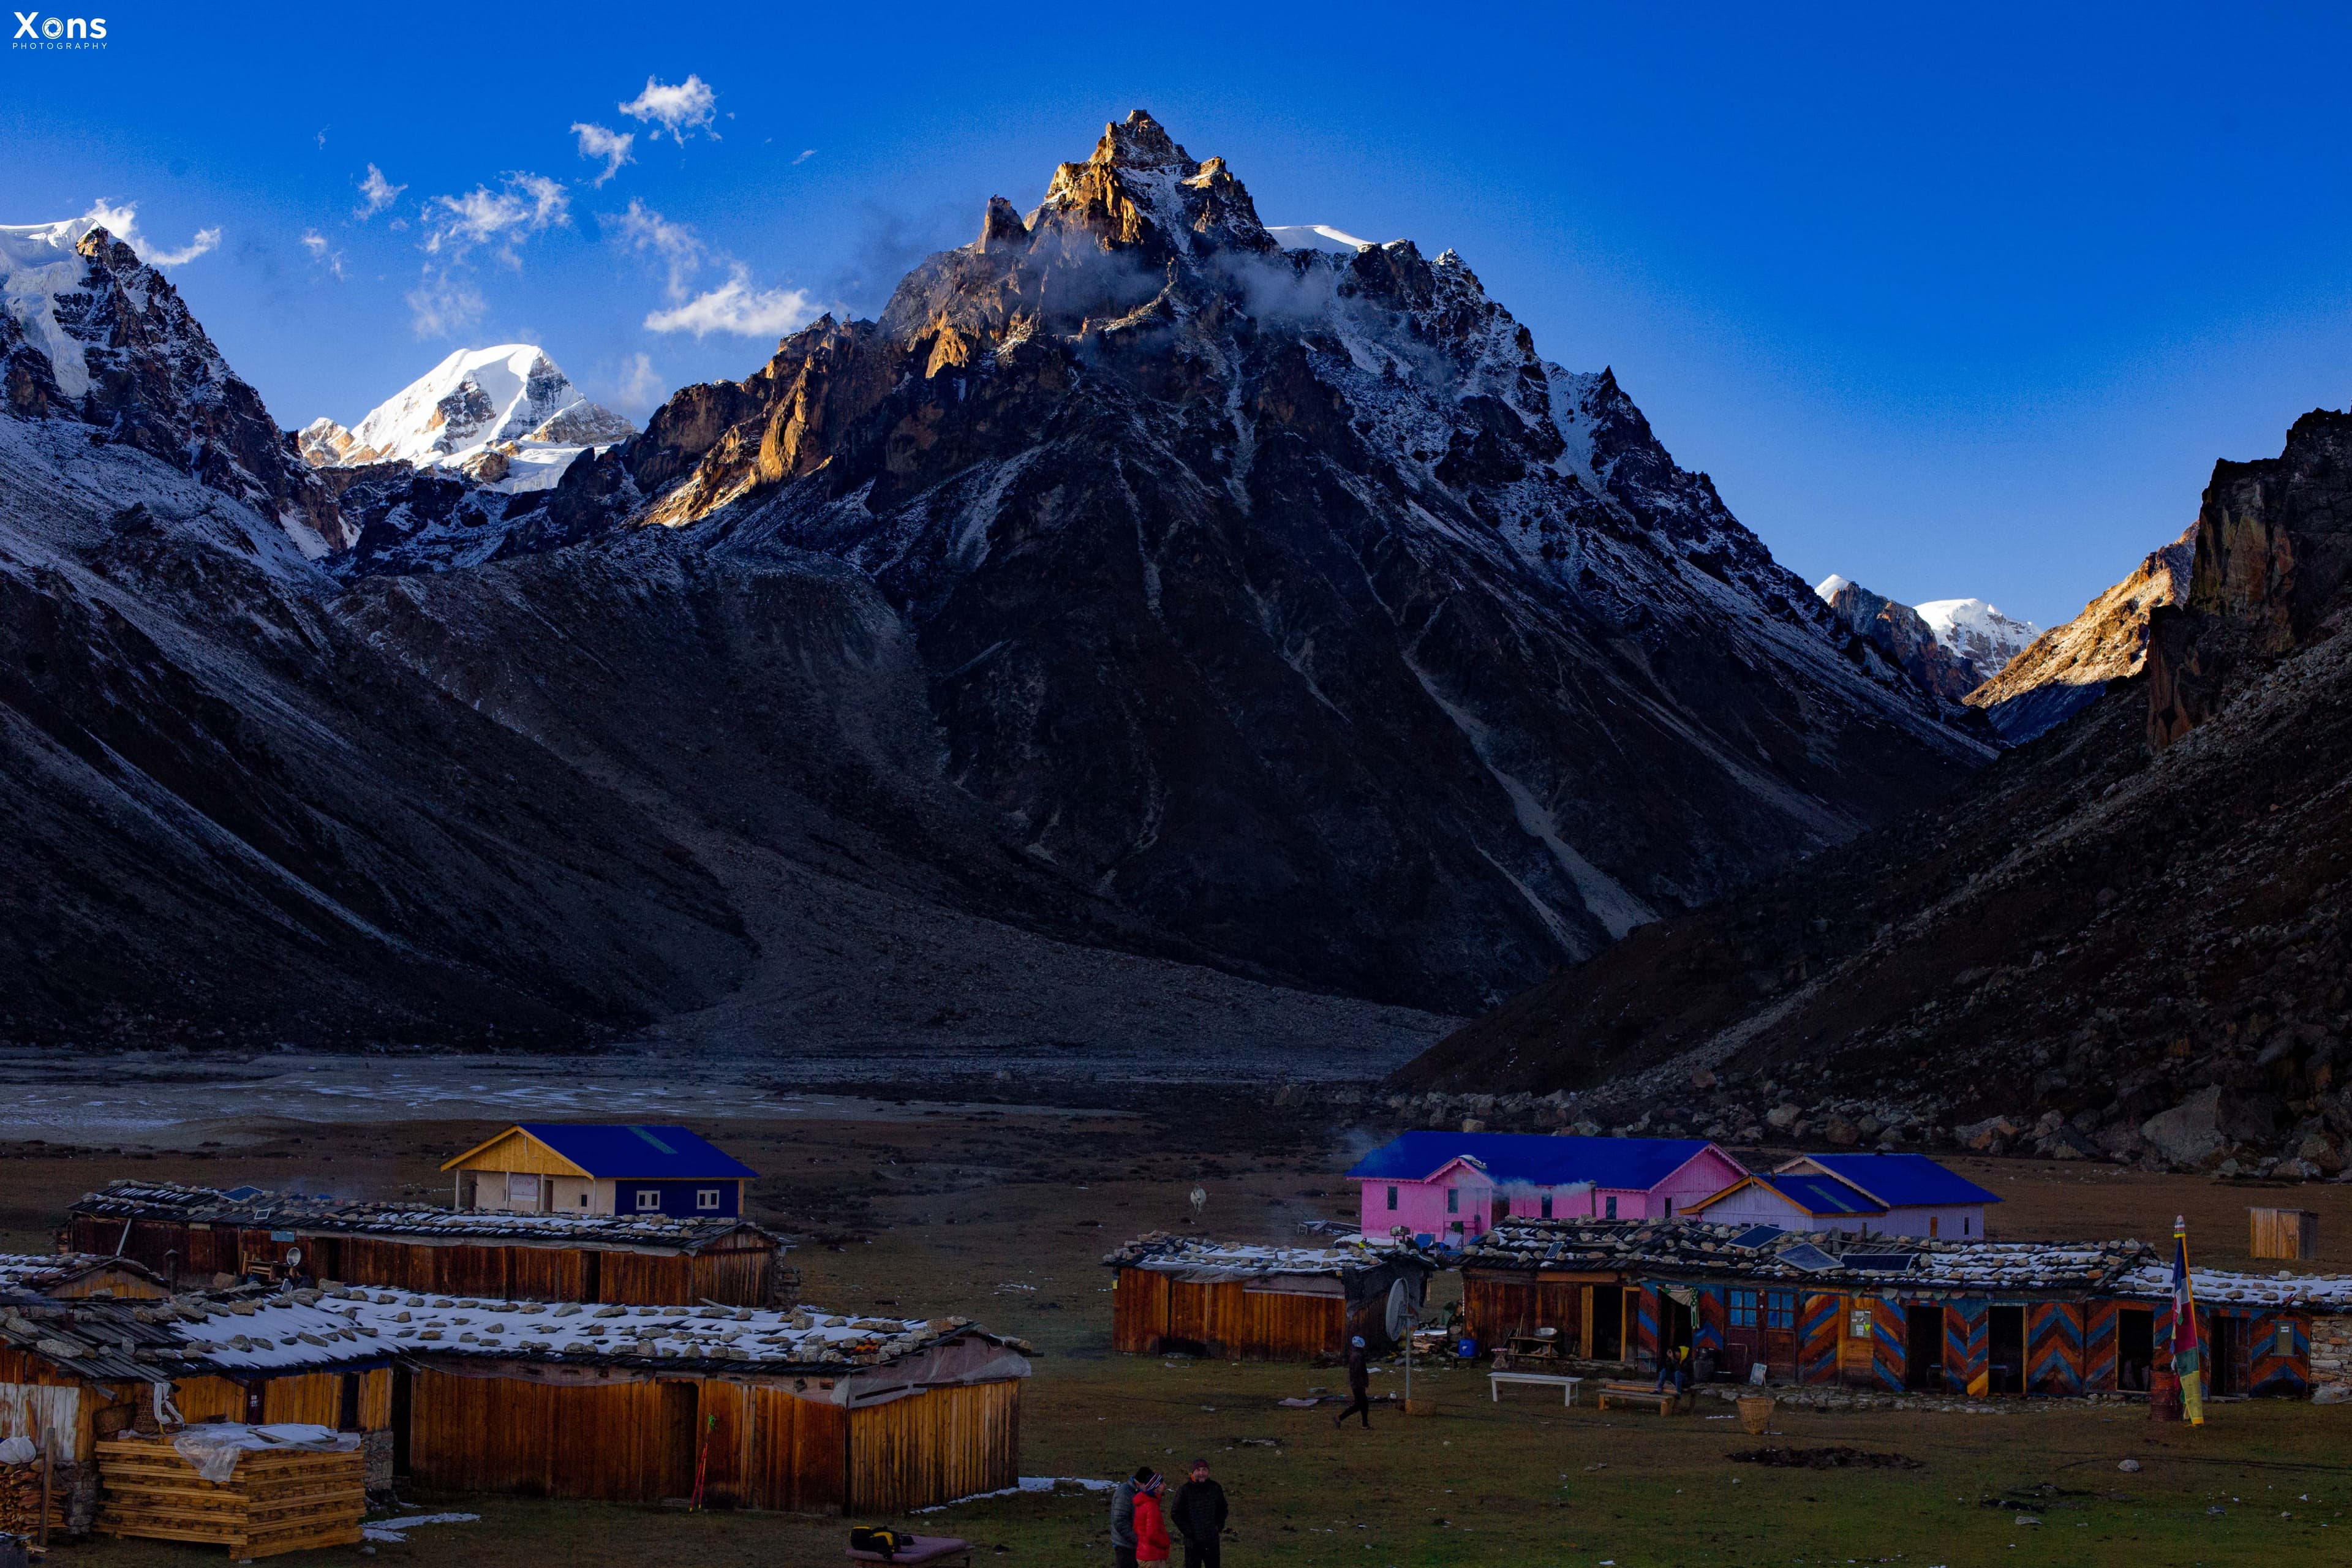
<point x="636" y="1153"/>
<point x="1631" y="1162"/>
<point x="1819" y="1195"/>
<point x="1905" y="1181"/>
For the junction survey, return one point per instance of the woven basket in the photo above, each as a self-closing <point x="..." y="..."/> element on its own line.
<point x="1756" y="1414"/>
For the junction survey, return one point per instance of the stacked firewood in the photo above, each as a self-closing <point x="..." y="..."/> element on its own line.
<point x="20" y="1501"/>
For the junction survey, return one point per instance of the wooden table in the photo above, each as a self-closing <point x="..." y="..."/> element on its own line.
<point x="1494" y="1380"/>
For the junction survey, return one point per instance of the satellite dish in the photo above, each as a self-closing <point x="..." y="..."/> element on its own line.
<point x="1200" y="1199"/>
<point x="1400" y="1310"/>
<point x="293" y="1258"/>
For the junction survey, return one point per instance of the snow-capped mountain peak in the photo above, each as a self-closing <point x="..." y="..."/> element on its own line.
<point x="1977" y="631"/>
<point x="507" y="415"/>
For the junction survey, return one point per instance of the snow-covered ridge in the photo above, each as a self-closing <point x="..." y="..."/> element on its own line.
<point x="1317" y="236"/>
<point x="42" y="263"/>
<point x="1971" y="630"/>
<point x="1977" y="631"/>
<point x="506" y="415"/>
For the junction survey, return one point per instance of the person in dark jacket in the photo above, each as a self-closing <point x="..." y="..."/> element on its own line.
<point x="1359" y="1383"/>
<point x="1122" y="1516"/>
<point x="1198" y="1512"/>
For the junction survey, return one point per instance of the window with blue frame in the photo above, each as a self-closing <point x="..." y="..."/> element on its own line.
<point x="1454" y="1200"/>
<point x="1780" y="1309"/>
<point x="1743" y="1308"/>
<point x="1547" y="1205"/>
<point x="1392" y="1200"/>
<point x="1612" y="1209"/>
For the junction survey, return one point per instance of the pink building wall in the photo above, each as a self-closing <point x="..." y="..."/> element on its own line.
<point x="1423" y="1206"/>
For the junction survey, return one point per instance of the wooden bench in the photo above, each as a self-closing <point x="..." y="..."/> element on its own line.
<point x="1494" y="1380"/>
<point x="1639" y="1396"/>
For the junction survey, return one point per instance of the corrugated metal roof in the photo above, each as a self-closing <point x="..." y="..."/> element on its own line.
<point x="1637" y="1163"/>
<point x="1903" y="1181"/>
<point x="632" y="1152"/>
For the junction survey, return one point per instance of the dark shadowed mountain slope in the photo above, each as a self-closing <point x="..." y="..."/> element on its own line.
<point x="1289" y="600"/>
<point x="2089" y="934"/>
<point x="1276" y="622"/>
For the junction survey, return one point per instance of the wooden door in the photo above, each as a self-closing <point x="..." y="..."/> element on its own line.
<point x="1781" y="1334"/>
<point x="680" y="1435"/>
<point x="1743" y="1331"/>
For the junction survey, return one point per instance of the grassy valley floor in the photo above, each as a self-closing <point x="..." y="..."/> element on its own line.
<point x="1004" y="1217"/>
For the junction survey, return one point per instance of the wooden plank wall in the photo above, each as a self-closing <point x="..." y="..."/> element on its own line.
<point x="797" y="1453"/>
<point x="1139" y="1310"/>
<point x="931" y="1448"/>
<point x="315" y="1397"/>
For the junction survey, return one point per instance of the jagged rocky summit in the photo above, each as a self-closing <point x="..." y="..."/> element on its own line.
<point x="1144" y="625"/>
<point x="92" y="336"/>
<point x="505" y="417"/>
<point x="2127" y="939"/>
<point x="1275" y="591"/>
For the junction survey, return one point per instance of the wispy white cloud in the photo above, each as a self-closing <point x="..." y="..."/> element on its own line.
<point x="737" y="307"/>
<point x="321" y="252"/>
<point x="206" y="241"/>
<point x="676" y="245"/>
<point x="805" y="156"/>
<point x="612" y="146"/>
<point x="376" y="193"/>
<point x="123" y="223"/>
<point x="682" y="111"/>
<point x="526" y="204"/>
<point x="640" y="386"/>
<point x="443" y="304"/>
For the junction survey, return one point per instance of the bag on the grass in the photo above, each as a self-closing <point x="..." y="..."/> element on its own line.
<point x="876" y="1538"/>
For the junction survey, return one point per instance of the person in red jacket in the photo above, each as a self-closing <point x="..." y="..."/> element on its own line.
<point x="1150" y="1528"/>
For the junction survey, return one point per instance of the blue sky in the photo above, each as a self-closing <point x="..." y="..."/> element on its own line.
<point x="1962" y="302"/>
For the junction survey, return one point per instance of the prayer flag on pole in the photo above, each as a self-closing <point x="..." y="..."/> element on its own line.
<point x="2187" y="1346"/>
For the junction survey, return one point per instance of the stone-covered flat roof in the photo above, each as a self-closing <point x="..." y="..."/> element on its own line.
<point x="253" y="1208"/>
<point x="1692" y="1249"/>
<point x="1203" y="1261"/>
<point x="232" y="1332"/>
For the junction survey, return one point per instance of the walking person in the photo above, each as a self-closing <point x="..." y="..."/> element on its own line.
<point x="1151" y="1527"/>
<point x="1198" y="1512"/>
<point x="1359" y="1383"/>
<point x="1122" y="1516"/>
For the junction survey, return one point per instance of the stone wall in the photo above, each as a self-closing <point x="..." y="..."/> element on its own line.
<point x="2331" y="1359"/>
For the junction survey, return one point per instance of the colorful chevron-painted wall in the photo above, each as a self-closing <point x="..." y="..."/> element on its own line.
<point x="1890" y="1334"/>
<point x="1817" y="1338"/>
<point x="1965" y="1348"/>
<point x="2099" y="1347"/>
<point x="2053" y="1348"/>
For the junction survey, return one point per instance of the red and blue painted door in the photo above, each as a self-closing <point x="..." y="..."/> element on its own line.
<point x="1965" y="1348"/>
<point x="1707" y="1333"/>
<point x="1818" y="1330"/>
<point x="2278" y="1354"/>
<point x="1890" y="1333"/>
<point x="2099" y="1347"/>
<point x="2053" y="1348"/>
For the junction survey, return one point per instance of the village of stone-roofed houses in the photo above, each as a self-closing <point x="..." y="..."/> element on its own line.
<point x="589" y="1314"/>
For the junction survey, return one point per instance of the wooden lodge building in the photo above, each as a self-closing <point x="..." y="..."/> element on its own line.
<point x="1961" y="1317"/>
<point x="796" y="1410"/>
<point x="76" y="1275"/>
<point x="201" y="1236"/>
<point x="1257" y="1303"/>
